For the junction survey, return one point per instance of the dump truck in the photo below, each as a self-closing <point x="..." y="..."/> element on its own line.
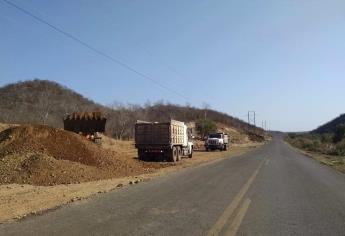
<point x="218" y="141"/>
<point x="88" y="124"/>
<point x="165" y="141"/>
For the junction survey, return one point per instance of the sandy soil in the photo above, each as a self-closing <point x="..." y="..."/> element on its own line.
<point x="17" y="201"/>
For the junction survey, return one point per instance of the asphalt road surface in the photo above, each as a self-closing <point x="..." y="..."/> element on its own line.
<point x="273" y="190"/>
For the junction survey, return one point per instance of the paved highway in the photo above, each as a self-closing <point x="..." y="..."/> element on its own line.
<point x="273" y="190"/>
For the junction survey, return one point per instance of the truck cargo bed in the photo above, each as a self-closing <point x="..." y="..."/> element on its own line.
<point x="159" y="134"/>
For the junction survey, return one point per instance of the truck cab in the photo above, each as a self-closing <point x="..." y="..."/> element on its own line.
<point x="217" y="141"/>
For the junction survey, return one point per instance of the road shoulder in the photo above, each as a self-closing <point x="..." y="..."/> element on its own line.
<point x="335" y="162"/>
<point x="18" y="201"/>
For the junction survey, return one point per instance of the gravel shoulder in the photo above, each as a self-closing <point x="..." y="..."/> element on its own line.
<point x="20" y="200"/>
<point x="335" y="162"/>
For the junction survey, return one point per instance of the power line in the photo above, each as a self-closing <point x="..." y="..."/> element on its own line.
<point x="167" y="66"/>
<point x="95" y="50"/>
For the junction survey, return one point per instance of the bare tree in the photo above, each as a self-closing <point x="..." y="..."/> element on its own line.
<point x="46" y="99"/>
<point x="120" y="120"/>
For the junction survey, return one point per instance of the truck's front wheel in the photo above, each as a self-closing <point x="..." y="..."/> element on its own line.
<point x="142" y="155"/>
<point x="191" y="153"/>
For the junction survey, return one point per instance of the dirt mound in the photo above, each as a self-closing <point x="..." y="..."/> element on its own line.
<point x="41" y="155"/>
<point x="60" y="144"/>
<point x="41" y="169"/>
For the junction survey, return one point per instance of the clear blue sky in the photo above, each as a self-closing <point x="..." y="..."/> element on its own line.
<point x="284" y="59"/>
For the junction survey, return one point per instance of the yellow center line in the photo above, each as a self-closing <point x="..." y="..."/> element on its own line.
<point x="218" y="226"/>
<point x="236" y="223"/>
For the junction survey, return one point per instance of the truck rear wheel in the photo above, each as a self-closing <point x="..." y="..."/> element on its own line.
<point x="179" y="154"/>
<point x="173" y="154"/>
<point x="142" y="155"/>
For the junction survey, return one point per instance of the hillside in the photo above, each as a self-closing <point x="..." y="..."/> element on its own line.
<point x="328" y="139"/>
<point x="330" y="127"/>
<point x="46" y="102"/>
<point x="325" y="144"/>
<point x="41" y="102"/>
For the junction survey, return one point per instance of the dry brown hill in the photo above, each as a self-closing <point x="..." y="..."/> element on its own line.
<point x="46" y="102"/>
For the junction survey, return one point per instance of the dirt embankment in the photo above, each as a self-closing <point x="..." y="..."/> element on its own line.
<point x="241" y="136"/>
<point x="41" y="155"/>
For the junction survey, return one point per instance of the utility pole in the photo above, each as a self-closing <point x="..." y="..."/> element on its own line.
<point x="206" y="107"/>
<point x="264" y="125"/>
<point x="254" y="115"/>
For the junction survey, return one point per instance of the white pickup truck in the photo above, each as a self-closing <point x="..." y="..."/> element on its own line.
<point x="218" y="141"/>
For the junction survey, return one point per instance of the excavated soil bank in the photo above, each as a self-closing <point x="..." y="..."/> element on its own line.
<point x="41" y="155"/>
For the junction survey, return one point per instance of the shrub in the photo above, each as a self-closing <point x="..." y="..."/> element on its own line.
<point x="204" y="127"/>
<point x="326" y="138"/>
<point x="339" y="133"/>
<point x="340" y="147"/>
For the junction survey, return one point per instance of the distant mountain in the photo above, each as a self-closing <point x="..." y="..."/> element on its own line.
<point x="331" y="126"/>
<point x="47" y="102"/>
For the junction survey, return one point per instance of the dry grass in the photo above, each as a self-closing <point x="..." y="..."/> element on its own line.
<point x="336" y="162"/>
<point x="6" y="126"/>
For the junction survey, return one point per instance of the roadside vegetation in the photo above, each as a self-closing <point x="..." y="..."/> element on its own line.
<point x="205" y="126"/>
<point x="324" y="144"/>
<point x="327" y="145"/>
